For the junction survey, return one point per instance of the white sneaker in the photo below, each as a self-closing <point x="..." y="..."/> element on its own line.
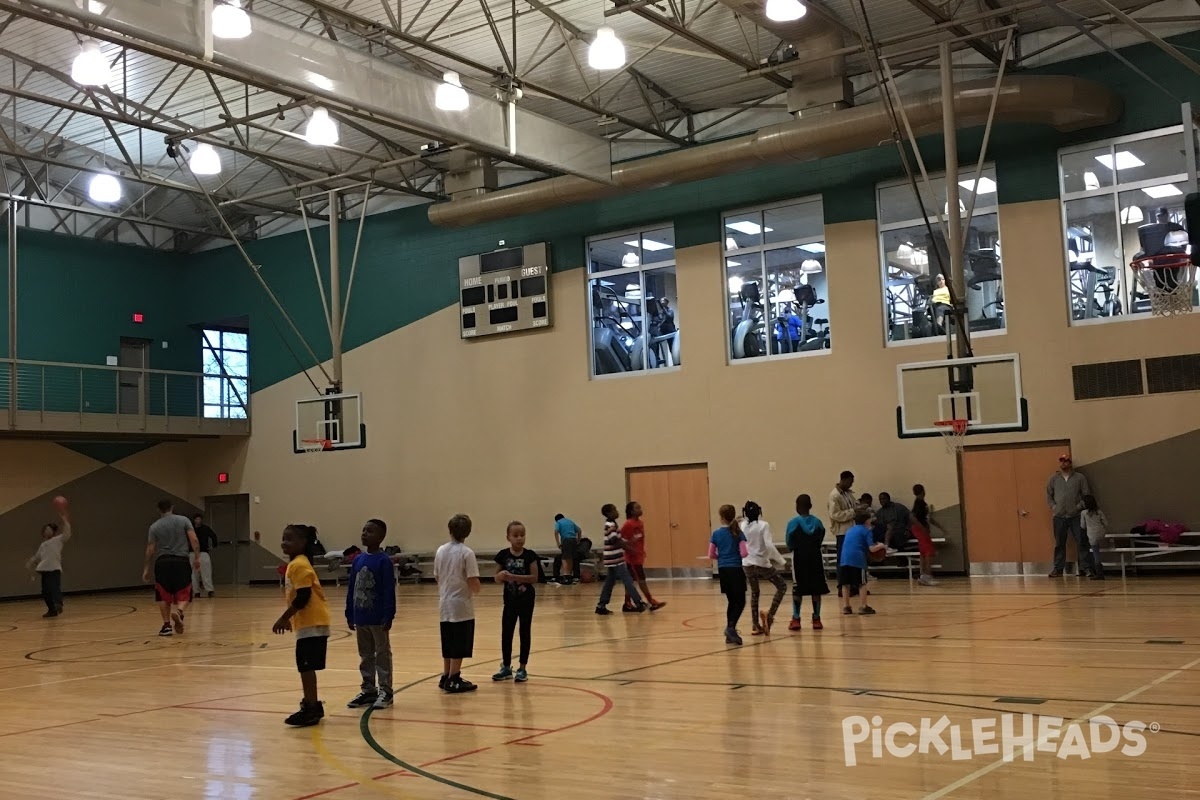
<point x="382" y="702"/>
<point x="927" y="580"/>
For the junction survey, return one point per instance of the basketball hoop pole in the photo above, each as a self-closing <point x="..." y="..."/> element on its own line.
<point x="335" y="291"/>
<point x="954" y="229"/>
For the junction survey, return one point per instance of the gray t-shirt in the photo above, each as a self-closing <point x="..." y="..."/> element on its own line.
<point x="169" y="535"/>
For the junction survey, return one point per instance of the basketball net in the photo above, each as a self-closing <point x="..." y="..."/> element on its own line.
<point x="954" y="434"/>
<point x="1169" y="281"/>
<point x="312" y="447"/>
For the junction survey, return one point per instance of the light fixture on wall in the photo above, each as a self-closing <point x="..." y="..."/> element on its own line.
<point x="90" y="67"/>
<point x="606" y="51"/>
<point x="321" y="130"/>
<point x="451" y="96"/>
<point x="205" y="160"/>
<point x="785" y="10"/>
<point x="230" y="20"/>
<point x="104" y="188"/>
<point x="810" y="266"/>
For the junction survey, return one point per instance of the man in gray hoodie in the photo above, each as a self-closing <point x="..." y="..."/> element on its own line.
<point x="1064" y="495"/>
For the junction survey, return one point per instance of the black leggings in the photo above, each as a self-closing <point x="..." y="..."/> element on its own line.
<point x="516" y="611"/>
<point x="52" y="590"/>
<point x="733" y="586"/>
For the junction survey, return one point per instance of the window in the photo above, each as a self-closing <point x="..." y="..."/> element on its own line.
<point x="634" y="314"/>
<point x="775" y="280"/>
<point x="916" y="301"/>
<point x="226" y="364"/>
<point x="1121" y="199"/>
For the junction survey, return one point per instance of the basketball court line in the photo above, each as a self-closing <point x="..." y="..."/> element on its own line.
<point x="966" y="780"/>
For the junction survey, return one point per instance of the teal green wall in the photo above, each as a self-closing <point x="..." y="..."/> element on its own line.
<point x="77" y="296"/>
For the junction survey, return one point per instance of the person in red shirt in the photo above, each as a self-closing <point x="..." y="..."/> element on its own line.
<point x="633" y="532"/>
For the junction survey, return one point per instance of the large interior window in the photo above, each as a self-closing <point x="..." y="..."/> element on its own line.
<point x="1122" y="200"/>
<point x="777" y="294"/>
<point x="915" y="295"/>
<point x="633" y="301"/>
<point x="226" y="365"/>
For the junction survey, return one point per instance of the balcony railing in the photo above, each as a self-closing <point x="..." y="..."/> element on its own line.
<point x="57" y="397"/>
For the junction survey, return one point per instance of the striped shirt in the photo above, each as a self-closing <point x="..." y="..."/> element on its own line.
<point x="614" y="553"/>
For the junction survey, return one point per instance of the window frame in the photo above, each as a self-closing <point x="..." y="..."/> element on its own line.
<point x="761" y="249"/>
<point x="228" y="395"/>
<point x="881" y="228"/>
<point x="640" y="232"/>
<point x="1114" y="191"/>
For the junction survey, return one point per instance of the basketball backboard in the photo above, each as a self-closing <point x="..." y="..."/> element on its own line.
<point x="984" y="390"/>
<point x="337" y="418"/>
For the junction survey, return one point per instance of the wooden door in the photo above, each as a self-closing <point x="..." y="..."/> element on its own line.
<point x="1033" y="467"/>
<point x="652" y="489"/>
<point x="990" y="496"/>
<point x="675" y="512"/>
<point x="229" y="517"/>
<point x="134" y="360"/>
<point x="691" y="525"/>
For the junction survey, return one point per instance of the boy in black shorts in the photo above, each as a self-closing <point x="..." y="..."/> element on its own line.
<point x="852" y="562"/>
<point x="457" y="574"/>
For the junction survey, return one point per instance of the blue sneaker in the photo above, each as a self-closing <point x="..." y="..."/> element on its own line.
<point x="522" y="675"/>
<point x="504" y="674"/>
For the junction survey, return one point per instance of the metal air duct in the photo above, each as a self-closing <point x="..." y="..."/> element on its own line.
<point x="1061" y="102"/>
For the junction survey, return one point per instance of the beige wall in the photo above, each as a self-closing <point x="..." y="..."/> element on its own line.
<point x="514" y="428"/>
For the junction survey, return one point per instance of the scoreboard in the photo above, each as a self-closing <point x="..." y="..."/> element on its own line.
<point x="504" y="290"/>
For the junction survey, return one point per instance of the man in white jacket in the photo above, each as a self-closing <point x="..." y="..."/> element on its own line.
<point x="760" y="563"/>
<point x="842" y="505"/>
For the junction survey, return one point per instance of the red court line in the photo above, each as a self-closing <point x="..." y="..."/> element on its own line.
<point x="687" y="623"/>
<point x="394" y="773"/>
<point x="48" y="727"/>
<point x="607" y="707"/>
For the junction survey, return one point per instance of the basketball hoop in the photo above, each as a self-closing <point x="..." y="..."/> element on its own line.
<point x="1169" y="280"/>
<point x="314" y="446"/>
<point x="954" y="433"/>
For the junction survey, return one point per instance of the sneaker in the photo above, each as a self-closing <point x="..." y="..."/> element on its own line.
<point x="212" y="594"/>
<point x="177" y="619"/>
<point x="866" y="610"/>
<point x="307" y="716"/>
<point x="1055" y="574"/>
<point x="460" y="685"/>
<point x="655" y="605"/>
<point x="49" y="614"/>
<point x="847" y="610"/>
<point x="445" y="679"/>
<point x="640" y="607"/>
<point x="794" y="625"/>
<point x="521" y="675"/>
<point x="756" y="631"/>
<point x="816" y="624"/>
<point x="504" y="674"/>
<point x="927" y="580"/>
<point x="362" y="700"/>
<point x="627" y="609"/>
<point x="602" y="610"/>
<point x="731" y="636"/>
<point x="765" y="623"/>
<point x="382" y="702"/>
<point x="165" y="630"/>
<point x="1097" y="576"/>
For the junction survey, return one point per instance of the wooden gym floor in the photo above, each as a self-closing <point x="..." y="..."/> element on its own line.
<point x="94" y="705"/>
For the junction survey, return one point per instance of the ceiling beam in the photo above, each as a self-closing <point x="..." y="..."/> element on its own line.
<point x="934" y="13"/>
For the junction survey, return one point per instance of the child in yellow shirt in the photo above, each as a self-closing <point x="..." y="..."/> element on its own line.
<point x="308" y="614"/>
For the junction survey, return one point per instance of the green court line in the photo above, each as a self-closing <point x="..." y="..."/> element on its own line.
<point x="364" y="727"/>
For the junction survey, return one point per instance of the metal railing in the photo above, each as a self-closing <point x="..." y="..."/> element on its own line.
<point x="56" y="396"/>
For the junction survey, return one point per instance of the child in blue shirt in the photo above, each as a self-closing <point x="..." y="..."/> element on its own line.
<point x="852" y="563"/>
<point x="805" y="535"/>
<point x="370" y="608"/>
<point x="727" y="547"/>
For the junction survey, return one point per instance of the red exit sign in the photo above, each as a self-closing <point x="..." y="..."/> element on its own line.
<point x="222" y="477"/>
<point x="139" y="318"/>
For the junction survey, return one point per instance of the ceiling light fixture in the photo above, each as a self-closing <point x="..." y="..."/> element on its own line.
<point x="785" y="10"/>
<point x="812" y="247"/>
<point x="90" y="67"/>
<point x="986" y="186"/>
<point x="1124" y="160"/>
<point x="649" y="245"/>
<point x="104" y="188"/>
<point x="230" y="20"/>
<point x="205" y="160"/>
<point x="630" y="260"/>
<point x="1132" y="215"/>
<point x="735" y="284"/>
<point x="810" y="266"/>
<point x="321" y="130"/>
<point x="1090" y="181"/>
<point x="451" y="96"/>
<point x="606" y="51"/>
<point x="747" y="227"/>
<point x="1165" y="190"/>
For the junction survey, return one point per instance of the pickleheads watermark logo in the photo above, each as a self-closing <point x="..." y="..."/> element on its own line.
<point x="1015" y="736"/>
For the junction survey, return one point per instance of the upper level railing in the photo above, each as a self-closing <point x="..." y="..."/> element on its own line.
<point x="59" y="397"/>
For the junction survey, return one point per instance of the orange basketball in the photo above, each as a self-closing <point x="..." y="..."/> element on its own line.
<point x="60" y="503"/>
<point x="878" y="552"/>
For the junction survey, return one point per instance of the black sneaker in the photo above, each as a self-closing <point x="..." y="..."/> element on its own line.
<point x="629" y="609"/>
<point x="1055" y="574"/>
<point x="847" y="610"/>
<point x="363" y="699"/>
<point x="212" y="594"/>
<point x="443" y="681"/>
<point x="602" y="610"/>
<point x="866" y="610"/>
<point x="307" y="716"/>
<point x="165" y="630"/>
<point x="640" y="607"/>
<point x="460" y="685"/>
<point x="49" y="614"/>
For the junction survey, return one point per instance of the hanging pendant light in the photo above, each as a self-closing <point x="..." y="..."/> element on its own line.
<point x="606" y="51"/>
<point x="104" y="188"/>
<point x="451" y="96"/>
<point x="90" y="67"/>
<point x="230" y="20"/>
<point x="785" y="10"/>
<point x="321" y="130"/>
<point x="205" y="160"/>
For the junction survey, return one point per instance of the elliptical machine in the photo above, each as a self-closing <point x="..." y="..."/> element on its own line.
<point x="749" y="333"/>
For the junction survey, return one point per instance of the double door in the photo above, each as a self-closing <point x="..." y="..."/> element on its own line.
<point x="675" y="512"/>
<point x="1009" y="526"/>
<point x="233" y="560"/>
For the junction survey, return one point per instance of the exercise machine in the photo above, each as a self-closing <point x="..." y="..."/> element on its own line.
<point x="749" y="334"/>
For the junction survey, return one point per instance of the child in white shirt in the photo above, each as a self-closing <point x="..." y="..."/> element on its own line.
<point x="1095" y="526"/>
<point x="761" y="563"/>
<point x="47" y="562"/>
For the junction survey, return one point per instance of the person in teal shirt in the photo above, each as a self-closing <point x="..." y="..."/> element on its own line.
<point x="805" y="535"/>
<point x="566" y="536"/>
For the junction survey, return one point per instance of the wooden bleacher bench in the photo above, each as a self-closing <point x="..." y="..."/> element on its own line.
<point x="1153" y="552"/>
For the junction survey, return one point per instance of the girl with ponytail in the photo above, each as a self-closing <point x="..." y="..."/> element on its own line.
<point x="727" y="547"/>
